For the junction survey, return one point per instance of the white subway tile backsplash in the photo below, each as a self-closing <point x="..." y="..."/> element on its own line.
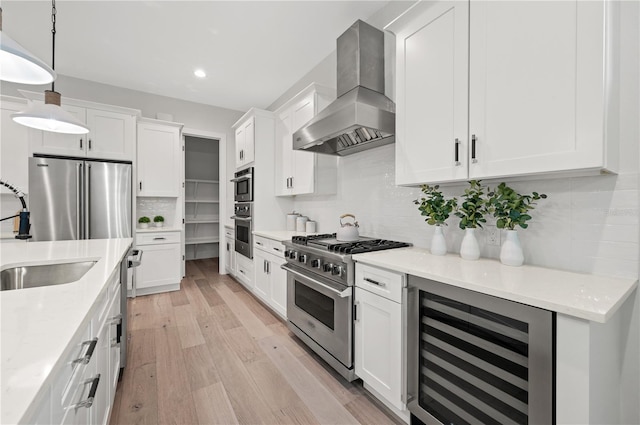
<point x="151" y="207"/>
<point x="587" y="224"/>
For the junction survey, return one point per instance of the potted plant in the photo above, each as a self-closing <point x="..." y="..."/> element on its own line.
<point x="144" y="222"/>
<point x="471" y="212"/>
<point x="436" y="209"/>
<point x="511" y="209"/>
<point x="158" y="220"/>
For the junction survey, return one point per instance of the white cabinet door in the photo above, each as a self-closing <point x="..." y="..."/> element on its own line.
<point x="112" y="135"/>
<point x="278" y="296"/>
<point x="239" y="146"/>
<point x="159" y="158"/>
<point x="284" y="154"/>
<point x="114" y="346"/>
<point x="432" y="72"/>
<point x="14" y="148"/>
<point x="101" y="401"/>
<point x="536" y="86"/>
<point x="303" y="162"/>
<point x="378" y="345"/>
<point x="47" y="142"/>
<point x="262" y="278"/>
<point x="249" y="142"/>
<point x="160" y="266"/>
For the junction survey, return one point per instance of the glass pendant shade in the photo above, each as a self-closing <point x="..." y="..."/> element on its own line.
<point x="17" y="65"/>
<point x="50" y="117"/>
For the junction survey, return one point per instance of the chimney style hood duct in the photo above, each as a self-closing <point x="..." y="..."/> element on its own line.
<point x="362" y="117"/>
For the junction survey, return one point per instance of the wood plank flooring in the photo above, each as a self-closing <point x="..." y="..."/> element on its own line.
<point x="211" y="353"/>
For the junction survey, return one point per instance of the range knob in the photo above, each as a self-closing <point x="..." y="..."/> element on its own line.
<point x="286" y="253"/>
<point x="302" y="258"/>
<point x="293" y="255"/>
<point x="336" y="270"/>
<point x="327" y="267"/>
<point x="315" y="263"/>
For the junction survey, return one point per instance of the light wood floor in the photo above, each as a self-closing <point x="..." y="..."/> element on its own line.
<point x="212" y="354"/>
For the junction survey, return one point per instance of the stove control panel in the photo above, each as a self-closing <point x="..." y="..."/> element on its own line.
<point x="318" y="264"/>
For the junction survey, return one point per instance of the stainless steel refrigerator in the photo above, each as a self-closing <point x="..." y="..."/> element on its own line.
<point x="79" y="199"/>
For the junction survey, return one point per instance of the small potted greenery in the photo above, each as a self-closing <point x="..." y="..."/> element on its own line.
<point x="471" y="211"/>
<point x="511" y="209"/>
<point x="436" y="209"/>
<point x="144" y="222"/>
<point x="158" y="221"/>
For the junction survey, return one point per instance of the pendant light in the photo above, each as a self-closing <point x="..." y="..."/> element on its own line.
<point x="50" y="116"/>
<point x="18" y="65"/>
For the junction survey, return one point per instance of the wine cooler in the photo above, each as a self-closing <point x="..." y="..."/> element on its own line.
<point x="477" y="359"/>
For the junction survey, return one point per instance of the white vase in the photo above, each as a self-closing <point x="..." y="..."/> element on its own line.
<point x="469" y="249"/>
<point x="511" y="252"/>
<point x="438" y="243"/>
<point x="143" y="225"/>
<point x="159" y="223"/>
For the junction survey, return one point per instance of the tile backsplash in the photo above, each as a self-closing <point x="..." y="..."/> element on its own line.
<point x="587" y="224"/>
<point x="151" y="207"/>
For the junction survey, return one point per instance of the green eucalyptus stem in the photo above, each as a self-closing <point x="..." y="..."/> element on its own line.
<point x="434" y="206"/>
<point x="510" y="208"/>
<point x="474" y="206"/>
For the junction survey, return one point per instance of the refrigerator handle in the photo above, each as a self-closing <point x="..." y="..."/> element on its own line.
<point x="87" y="203"/>
<point x="79" y="200"/>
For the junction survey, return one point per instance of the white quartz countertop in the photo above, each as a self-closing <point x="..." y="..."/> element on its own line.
<point x="37" y="324"/>
<point x="280" y="235"/>
<point x="590" y="297"/>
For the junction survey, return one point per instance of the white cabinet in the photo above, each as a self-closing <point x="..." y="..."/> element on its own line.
<point x="300" y="172"/>
<point x="245" y="143"/>
<point x="270" y="279"/>
<point x="202" y="201"/>
<point x="230" y="258"/>
<point x="159" y="158"/>
<point x="498" y="97"/>
<point x="14" y="146"/>
<point x="244" y="271"/>
<point x="111" y="135"/>
<point x="161" y="262"/>
<point x="378" y="332"/>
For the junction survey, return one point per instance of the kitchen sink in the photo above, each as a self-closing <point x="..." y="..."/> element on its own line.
<point x="43" y="275"/>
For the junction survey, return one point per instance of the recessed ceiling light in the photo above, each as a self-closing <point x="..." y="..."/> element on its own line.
<point x="199" y="73"/>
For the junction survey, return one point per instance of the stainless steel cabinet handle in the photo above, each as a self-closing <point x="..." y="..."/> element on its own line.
<point x="141" y="186"/>
<point x="242" y="271"/>
<point x="78" y="200"/>
<point x="89" y="144"/>
<point x="81" y="143"/>
<point x="87" y="203"/>
<point x="456" y="154"/>
<point x="366" y="279"/>
<point x="92" y="394"/>
<point x="268" y="267"/>
<point x="473" y="148"/>
<point x="292" y="182"/>
<point x="115" y="320"/>
<point x="277" y="249"/>
<point x="159" y="239"/>
<point x="258" y="243"/>
<point x="87" y="355"/>
<point x="355" y="311"/>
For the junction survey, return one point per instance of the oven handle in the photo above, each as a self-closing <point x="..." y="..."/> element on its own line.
<point x="341" y="294"/>
<point x="239" y="179"/>
<point x="235" y="217"/>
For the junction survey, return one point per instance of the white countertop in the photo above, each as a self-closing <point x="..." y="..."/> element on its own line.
<point x="37" y="324"/>
<point x="280" y="235"/>
<point x="585" y="296"/>
<point x="154" y="229"/>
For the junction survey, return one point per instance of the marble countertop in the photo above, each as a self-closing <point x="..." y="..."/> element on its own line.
<point x="280" y="235"/>
<point x="590" y="297"/>
<point x="37" y="324"/>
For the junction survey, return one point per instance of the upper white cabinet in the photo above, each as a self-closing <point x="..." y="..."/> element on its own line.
<point x="245" y="143"/>
<point x="493" y="89"/>
<point x="299" y="172"/>
<point x="14" y="146"/>
<point x="112" y="135"/>
<point x="159" y="158"/>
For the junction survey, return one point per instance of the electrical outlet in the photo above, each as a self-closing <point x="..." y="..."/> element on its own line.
<point x="493" y="235"/>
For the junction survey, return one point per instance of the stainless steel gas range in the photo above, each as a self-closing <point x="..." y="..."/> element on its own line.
<point x="320" y="279"/>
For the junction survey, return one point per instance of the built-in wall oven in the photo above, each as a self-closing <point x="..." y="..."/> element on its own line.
<point x="243" y="185"/>
<point x="473" y="358"/>
<point x="243" y="219"/>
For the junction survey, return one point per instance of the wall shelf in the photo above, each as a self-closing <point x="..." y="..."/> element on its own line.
<point x="201" y="240"/>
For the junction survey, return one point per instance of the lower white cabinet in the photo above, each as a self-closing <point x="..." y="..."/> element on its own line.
<point x="161" y="262"/>
<point x="378" y="332"/>
<point x="244" y="271"/>
<point x="270" y="279"/>
<point x="230" y="258"/>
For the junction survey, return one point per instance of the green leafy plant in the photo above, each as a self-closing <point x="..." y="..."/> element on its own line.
<point x="473" y="207"/>
<point x="158" y="219"/>
<point x="510" y="208"/>
<point x="144" y="219"/>
<point x="434" y="206"/>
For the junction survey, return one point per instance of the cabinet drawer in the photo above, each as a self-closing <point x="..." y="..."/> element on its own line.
<point x="244" y="267"/>
<point x="71" y="369"/>
<point x="156" y="238"/>
<point x="229" y="233"/>
<point x="262" y="243"/>
<point x="385" y="283"/>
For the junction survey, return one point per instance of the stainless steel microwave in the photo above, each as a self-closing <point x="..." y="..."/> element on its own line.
<point x="243" y="185"/>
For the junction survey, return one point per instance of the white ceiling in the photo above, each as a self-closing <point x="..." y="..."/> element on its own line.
<point x="252" y="51"/>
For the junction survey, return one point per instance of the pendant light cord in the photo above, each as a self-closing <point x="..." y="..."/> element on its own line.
<point x="53" y="44"/>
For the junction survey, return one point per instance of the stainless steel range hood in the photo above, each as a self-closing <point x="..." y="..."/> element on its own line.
<point x="362" y="117"/>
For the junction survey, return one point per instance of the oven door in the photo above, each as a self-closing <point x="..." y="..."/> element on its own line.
<point x="323" y="310"/>
<point x="244" y="237"/>
<point x="243" y="188"/>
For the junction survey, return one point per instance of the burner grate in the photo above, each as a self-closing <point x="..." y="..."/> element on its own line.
<point x="303" y="240"/>
<point x="365" y="246"/>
